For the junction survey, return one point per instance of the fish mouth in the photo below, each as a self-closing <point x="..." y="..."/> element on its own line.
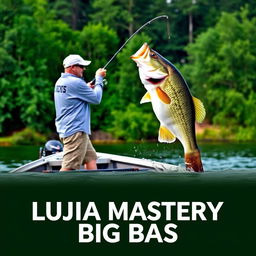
<point x="156" y="80"/>
<point x="140" y="52"/>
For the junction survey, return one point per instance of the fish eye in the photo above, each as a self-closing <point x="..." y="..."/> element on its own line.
<point x="153" y="55"/>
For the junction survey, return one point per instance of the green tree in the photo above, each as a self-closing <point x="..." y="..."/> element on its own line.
<point x="129" y="119"/>
<point x="32" y="49"/>
<point x="129" y="88"/>
<point x="222" y="68"/>
<point x="134" y="123"/>
<point x="99" y="43"/>
<point x="117" y="14"/>
<point x="74" y="13"/>
<point x="36" y="35"/>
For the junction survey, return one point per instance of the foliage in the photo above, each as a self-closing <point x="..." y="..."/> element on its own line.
<point x="36" y="35"/>
<point x="129" y="88"/>
<point x="133" y="123"/>
<point x="115" y="13"/>
<point x="28" y="137"/>
<point x="24" y="137"/>
<point x="33" y="68"/>
<point x="216" y="133"/>
<point x="98" y="44"/>
<point x="222" y="69"/>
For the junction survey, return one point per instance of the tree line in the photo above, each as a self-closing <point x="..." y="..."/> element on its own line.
<point x="212" y="43"/>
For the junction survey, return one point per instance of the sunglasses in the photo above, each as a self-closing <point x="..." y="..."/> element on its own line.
<point x="80" y="66"/>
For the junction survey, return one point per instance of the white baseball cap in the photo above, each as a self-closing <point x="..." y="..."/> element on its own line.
<point x="75" y="59"/>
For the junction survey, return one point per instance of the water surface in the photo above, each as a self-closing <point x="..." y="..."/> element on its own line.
<point x="223" y="162"/>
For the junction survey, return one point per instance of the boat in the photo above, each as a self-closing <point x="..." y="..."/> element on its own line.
<point x="105" y="163"/>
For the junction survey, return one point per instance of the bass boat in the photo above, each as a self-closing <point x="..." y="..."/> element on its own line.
<point x="105" y="163"/>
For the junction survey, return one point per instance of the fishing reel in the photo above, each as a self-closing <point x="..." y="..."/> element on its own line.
<point x="51" y="147"/>
<point x="105" y="82"/>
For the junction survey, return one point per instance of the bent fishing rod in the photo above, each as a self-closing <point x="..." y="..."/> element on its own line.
<point x="138" y="30"/>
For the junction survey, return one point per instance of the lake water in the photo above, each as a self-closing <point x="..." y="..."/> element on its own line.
<point x="219" y="159"/>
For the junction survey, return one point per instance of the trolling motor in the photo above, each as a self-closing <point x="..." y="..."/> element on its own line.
<point x="51" y="147"/>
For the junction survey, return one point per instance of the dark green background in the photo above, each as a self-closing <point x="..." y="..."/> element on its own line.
<point x="232" y="234"/>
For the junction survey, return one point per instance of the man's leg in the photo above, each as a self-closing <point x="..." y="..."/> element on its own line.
<point x="91" y="165"/>
<point x="90" y="156"/>
<point x="74" y="151"/>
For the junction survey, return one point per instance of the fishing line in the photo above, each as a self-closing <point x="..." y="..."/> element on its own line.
<point x="138" y="30"/>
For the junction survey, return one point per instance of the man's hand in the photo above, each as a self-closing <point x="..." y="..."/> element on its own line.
<point x="101" y="72"/>
<point x="91" y="84"/>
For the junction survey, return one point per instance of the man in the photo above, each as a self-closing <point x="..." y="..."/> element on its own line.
<point x="72" y="98"/>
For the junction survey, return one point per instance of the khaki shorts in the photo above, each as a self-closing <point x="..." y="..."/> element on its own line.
<point x="78" y="150"/>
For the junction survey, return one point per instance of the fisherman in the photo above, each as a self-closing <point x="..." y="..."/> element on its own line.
<point x="72" y="97"/>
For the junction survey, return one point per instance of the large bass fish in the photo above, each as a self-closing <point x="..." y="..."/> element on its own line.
<point x="174" y="106"/>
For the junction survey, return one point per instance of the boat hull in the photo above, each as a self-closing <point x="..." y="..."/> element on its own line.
<point x="105" y="163"/>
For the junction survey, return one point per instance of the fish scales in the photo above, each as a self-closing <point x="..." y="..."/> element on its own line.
<point x="184" y="113"/>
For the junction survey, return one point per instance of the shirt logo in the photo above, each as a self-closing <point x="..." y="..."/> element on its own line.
<point x="61" y="88"/>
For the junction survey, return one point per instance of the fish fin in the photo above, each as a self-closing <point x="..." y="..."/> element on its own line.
<point x="146" y="98"/>
<point x="163" y="96"/>
<point x="193" y="161"/>
<point x="199" y="110"/>
<point x="165" y="135"/>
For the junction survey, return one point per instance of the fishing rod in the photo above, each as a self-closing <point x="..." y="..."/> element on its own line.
<point x="138" y="30"/>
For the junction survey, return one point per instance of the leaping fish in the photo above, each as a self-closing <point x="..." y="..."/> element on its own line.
<point x="174" y="106"/>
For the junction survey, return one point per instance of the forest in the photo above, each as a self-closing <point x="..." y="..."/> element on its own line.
<point x="212" y="43"/>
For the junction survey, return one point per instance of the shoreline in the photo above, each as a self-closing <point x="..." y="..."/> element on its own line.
<point x="204" y="133"/>
<point x="113" y="142"/>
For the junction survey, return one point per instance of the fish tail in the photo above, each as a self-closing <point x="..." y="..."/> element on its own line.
<point x="193" y="161"/>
